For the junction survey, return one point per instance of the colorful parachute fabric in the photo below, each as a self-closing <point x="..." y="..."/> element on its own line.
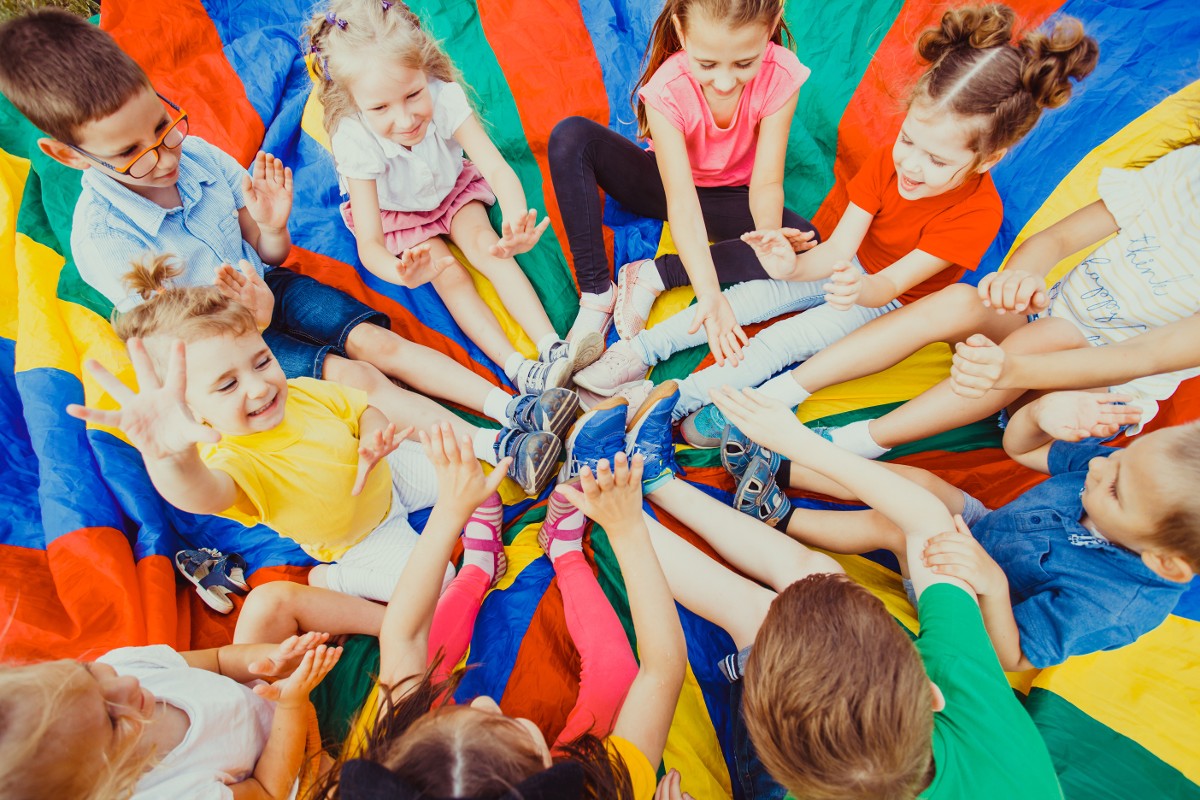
<point x="86" y="542"/>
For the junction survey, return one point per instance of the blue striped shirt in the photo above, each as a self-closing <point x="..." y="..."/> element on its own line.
<point x="113" y="226"/>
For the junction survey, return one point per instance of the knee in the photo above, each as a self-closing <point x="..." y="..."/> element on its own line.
<point x="1044" y="336"/>
<point x="375" y="341"/>
<point x="356" y="374"/>
<point x="568" y="137"/>
<point x="267" y="603"/>
<point x="454" y="279"/>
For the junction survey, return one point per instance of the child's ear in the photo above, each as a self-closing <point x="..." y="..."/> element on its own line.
<point x="63" y="154"/>
<point x="991" y="160"/>
<point x="939" y="699"/>
<point x="1170" y="566"/>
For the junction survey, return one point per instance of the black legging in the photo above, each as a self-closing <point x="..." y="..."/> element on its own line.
<point x="586" y="156"/>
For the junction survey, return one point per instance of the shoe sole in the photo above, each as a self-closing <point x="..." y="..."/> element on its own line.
<point x="564" y="415"/>
<point x="664" y="389"/>
<point x="623" y="289"/>
<point x="588" y="350"/>
<point x="211" y="597"/>
<point x="538" y="467"/>
<point x="559" y="375"/>
<point x="692" y="435"/>
<point x="564" y="473"/>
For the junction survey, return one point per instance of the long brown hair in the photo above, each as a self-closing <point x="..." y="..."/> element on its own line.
<point x="442" y="751"/>
<point x="978" y="73"/>
<point x="836" y="699"/>
<point x="350" y="36"/>
<point x="664" y="39"/>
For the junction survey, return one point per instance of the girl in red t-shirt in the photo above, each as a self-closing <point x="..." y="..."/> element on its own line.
<point x="921" y="212"/>
<point x="716" y="100"/>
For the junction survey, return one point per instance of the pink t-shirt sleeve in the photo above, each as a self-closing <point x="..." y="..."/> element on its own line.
<point x="782" y="77"/>
<point x="658" y="94"/>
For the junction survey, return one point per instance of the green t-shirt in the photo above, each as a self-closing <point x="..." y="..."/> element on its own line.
<point x="984" y="743"/>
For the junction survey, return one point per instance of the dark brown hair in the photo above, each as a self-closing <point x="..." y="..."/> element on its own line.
<point x="664" y="40"/>
<point x="977" y="72"/>
<point x="836" y="700"/>
<point x="445" y="750"/>
<point x="62" y="72"/>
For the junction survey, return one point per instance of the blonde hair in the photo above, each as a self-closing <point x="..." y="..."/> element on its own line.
<point x="976" y="71"/>
<point x="836" y="699"/>
<point x="33" y="698"/>
<point x="350" y="36"/>
<point x="190" y="314"/>
<point x="1177" y="530"/>
<point x="664" y="39"/>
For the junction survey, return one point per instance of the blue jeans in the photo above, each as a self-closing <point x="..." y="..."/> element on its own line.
<point x="755" y="782"/>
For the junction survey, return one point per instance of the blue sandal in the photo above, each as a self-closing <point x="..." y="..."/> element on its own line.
<point x="759" y="495"/>
<point x="215" y="575"/>
<point x="738" y="450"/>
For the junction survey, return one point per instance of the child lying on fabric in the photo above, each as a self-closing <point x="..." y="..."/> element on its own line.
<point x="838" y="701"/>
<point x="150" y="722"/>
<point x="1088" y="560"/>
<point x="302" y="456"/>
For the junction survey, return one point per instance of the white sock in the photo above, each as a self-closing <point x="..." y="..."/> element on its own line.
<point x="484" y="444"/>
<point x="784" y="387"/>
<point x="649" y="274"/>
<point x="480" y="558"/>
<point x="495" y="405"/>
<point x="856" y="437"/>
<point x="511" y="363"/>
<point x="589" y="318"/>
<point x="544" y="343"/>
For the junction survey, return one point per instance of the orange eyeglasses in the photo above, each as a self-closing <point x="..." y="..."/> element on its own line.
<point x="144" y="162"/>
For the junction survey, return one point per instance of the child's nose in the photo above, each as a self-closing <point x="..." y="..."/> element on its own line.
<point x="724" y="81"/>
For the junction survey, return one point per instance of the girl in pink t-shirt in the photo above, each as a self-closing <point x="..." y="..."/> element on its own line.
<point x="716" y="100"/>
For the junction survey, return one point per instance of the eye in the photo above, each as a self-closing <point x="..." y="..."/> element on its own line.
<point x="415" y="94"/>
<point x="264" y="363"/>
<point x="227" y="386"/>
<point x="377" y="108"/>
<point x="904" y="139"/>
<point x="745" y="64"/>
<point x="706" y="65"/>
<point x="937" y="163"/>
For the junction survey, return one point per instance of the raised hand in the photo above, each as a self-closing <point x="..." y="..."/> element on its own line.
<point x="801" y="241"/>
<point x="416" y="266"/>
<point x="977" y="367"/>
<point x="373" y="449"/>
<point x="669" y="787"/>
<point x="519" y="236"/>
<point x="725" y="336"/>
<point x="1071" y="416"/>
<point x="293" y="691"/>
<point x="462" y="486"/>
<point x="958" y="555"/>
<point x="764" y="419"/>
<point x="245" y="286"/>
<point x="845" y="285"/>
<point x="775" y="252"/>
<point x="1013" y="290"/>
<point x="269" y="192"/>
<point x="155" y="419"/>
<point x="612" y="496"/>
<point x="287" y="655"/>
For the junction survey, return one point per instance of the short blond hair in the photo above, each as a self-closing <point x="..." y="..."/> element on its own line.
<point x="837" y="702"/>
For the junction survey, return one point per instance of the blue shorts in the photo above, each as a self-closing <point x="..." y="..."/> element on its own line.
<point x="311" y="320"/>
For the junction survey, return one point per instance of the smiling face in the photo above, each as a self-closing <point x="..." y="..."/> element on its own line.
<point x="722" y="59"/>
<point x="235" y="384"/>
<point x="395" y="102"/>
<point x="931" y="154"/>
<point x="122" y="136"/>
<point x="1127" y="494"/>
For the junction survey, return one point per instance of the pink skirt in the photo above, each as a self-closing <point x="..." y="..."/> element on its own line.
<point x="405" y="229"/>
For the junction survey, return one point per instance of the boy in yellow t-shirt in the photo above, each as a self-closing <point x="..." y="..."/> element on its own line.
<point x="302" y="456"/>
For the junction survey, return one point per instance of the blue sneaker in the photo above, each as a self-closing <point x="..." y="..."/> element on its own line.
<point x="737" y="450"/>
<point x="599" y="433"/>
<point x="650" y="434"/>
<point x="759" y="495"/>
<point x="703" y="428"/>
<point x="534" y="455"/>
<point x="553" y="410"/>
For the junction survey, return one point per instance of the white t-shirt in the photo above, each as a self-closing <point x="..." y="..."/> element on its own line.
<point x="416" y="179"/>
<point x="229" y="725"/>
<point x="1148" y="275"/>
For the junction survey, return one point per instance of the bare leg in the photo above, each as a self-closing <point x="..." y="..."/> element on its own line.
<point x="457" y="290"/>
<point x="850" y="532"/>
<point x="472" y="231"/>
<point x="274" y="611"/>
<point x="950" y="315"/>
<point x="939" y="409"/>
<point x="750" y="546"/>
<point x="400" y="406"/>
<point x="802" y="477"/>
<point x="423" y="368"/>
<point x="708" y="589"/>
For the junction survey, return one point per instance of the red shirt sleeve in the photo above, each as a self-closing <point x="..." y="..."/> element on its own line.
<point x="866" y="187"/>
<point x="962" y="233"/>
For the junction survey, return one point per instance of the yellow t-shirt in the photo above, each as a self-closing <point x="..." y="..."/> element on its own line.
<point x="297" y="476"/>
<point x="641" y="772"/>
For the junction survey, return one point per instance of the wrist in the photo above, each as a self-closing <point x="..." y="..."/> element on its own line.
<point x="272" y="230"/>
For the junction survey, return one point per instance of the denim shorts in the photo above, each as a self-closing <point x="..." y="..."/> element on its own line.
<point x="311" y="320"/>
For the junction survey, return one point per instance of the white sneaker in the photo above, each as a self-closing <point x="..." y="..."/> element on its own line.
<point x="593" y="317"/>
<point x="580" y="351"/>
<point x="619" y="365"/>
<point x="635" y="298"/>
<point x="535" y="377"/>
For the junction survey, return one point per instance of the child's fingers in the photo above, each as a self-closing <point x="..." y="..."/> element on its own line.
<point x="636" y="467"/>
<point x="573" y="496"/>
<point x="143" y="367"/>
<point x="267" y="691"/>
<point x="109" y="419"/>
<point x="496" y="476"/>
<point x="620" y="470"/>
<point x="109" y="382"/>
<point x="287" y="179"/>
<point x="604" y="475"/>
<point x="541" y="227"/>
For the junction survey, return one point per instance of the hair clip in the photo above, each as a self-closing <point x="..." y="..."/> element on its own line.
<point x="334" y="19"/>
<point x="386" y="4"/>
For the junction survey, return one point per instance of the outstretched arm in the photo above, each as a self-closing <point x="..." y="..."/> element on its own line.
<point x="1068" y="417"/>
<point x="613" y="498"/>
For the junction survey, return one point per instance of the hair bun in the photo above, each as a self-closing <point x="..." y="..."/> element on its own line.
<point x="977" y="27"/>
<point x="1054" y="59"/>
